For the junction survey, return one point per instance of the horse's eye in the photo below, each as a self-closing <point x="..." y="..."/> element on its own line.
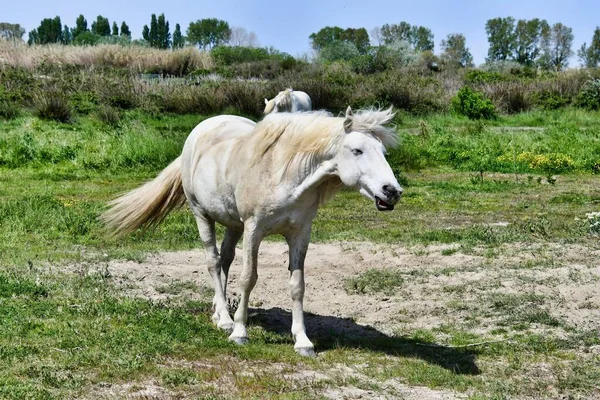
<point x="357" y="152"/>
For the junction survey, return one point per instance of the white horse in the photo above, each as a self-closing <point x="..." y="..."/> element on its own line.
<point x="263" y="179"/>
<point x="288" y="100"/>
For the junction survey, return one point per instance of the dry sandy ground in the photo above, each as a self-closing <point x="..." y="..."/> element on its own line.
<point x="437" y="290"/>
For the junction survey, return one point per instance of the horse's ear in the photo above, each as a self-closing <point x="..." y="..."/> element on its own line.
<point x="266" y="101"/>
<point x="348" y="120"/>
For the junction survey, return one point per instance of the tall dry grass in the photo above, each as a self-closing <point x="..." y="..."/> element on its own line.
<point x="134" y="58"/>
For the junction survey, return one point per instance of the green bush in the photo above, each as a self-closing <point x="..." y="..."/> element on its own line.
<point x="108" y="115"/>
<point x="472" y="104"/>
<point x="52" y="105"/>
<point x="589" y="96"/>
<point x="550" y="100"/>
<point x="9" y="110"/>
<point x="478" y="76"/>
<point x="229" y="55"/>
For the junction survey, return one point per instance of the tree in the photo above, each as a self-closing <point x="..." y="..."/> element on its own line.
<point x="208" y="32"/>
<point x="455" y="52"/>
<point x="529" y="40"/>
<point x="501" y="37"/>
<point x="101" y="26"/>
<point x="163" y="37"/>
<point x="115" y="29"/>
<point x="421" y="38"/>
<point x="376" y="36"/>
<point x="86" y="38"/>
<point x="178" y="40"/>
<point x="146" y="33"/>
<point x="67" y="35"/>
<point x="559" y="47"/>
<point x="49" y="31"/>
<point x="125" y="29"/>
<point x="325" y="36"/>
<point x="396" y="32"/>
<point x="11" y="32"/>
<point x="158" y="34"/>
<point x="241" y="37"/>
<point x="330" y="34"/>
<point x="339" y="50"/>
<point x="590" y="56"/>
<point x="80" y="26"/>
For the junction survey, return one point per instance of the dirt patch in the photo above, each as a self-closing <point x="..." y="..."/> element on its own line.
<point x="441" y="284"/>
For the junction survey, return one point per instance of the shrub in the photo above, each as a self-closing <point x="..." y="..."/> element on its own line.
<point x="550" y="100"/>
<point x="589" y="96"/>
<point x="52" y="105"/>
<point x="339" y="50"/>
<point x="473" y="104"/>
<point x="229" y="55"/>
<point x="108" y="115"/>
<point x="9" y="110"/>
<point x="478" y="76"/>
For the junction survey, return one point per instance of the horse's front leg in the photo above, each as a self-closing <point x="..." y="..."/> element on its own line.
<point x="248" y="277"/>
<point x="298" y="244"/>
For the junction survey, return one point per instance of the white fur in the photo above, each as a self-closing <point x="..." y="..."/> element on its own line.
<point x="263" y="179"/>
<point x="288" y="100"/>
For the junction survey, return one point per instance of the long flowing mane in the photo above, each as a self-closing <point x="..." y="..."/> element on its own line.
<point x="304" y="138"/>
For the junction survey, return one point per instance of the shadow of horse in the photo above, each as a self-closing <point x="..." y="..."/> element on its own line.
<point x="328" y="332"/>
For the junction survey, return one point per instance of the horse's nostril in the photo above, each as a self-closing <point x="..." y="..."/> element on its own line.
<point x="391" y="191"/>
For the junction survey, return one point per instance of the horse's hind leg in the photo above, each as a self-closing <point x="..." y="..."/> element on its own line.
<point x="248" y="277"/>
<point x="228" y="254"/>
<point x="206" y="228"/>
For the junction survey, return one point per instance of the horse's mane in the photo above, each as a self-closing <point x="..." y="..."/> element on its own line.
<point x="283" y="100"/>
<point x="306" y="137"/>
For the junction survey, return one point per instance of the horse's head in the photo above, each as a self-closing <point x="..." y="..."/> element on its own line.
<point x="361" y="162"/>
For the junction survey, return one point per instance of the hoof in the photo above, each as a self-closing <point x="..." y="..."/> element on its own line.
<point x="227" y="327"/>
<point x="239" y="340"/>
<point x="306" y="351"/>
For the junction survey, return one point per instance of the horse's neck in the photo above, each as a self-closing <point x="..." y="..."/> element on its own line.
<point x="322" y="180"/>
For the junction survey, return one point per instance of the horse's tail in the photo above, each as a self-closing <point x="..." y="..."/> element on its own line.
<point x="147" y="205"/>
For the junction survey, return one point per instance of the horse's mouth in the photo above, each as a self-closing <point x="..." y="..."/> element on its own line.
<point x="382" y="205"/>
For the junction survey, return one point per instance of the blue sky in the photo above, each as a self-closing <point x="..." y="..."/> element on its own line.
<point x="286" y="25"/>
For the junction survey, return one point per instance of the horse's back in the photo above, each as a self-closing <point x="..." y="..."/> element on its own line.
<point x="204" y="163"/>
<point x="303" y="101"/>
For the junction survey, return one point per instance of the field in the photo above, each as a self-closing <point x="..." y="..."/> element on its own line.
<point x="483" y="283"/>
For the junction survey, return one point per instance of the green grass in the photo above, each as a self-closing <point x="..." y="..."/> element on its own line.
<point x="64" y="335"/>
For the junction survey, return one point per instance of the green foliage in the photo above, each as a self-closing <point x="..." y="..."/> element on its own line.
<point x="339" y="50"/>
<point x="86" y="38"/>
<point x="329" y="35"/>
<point x="455" y="52"/>
<point x="419" y="37"/>
<point x="80" y="26"/>
<point x="530" y="37"/>
<point x="590" y="56"/>
<point x="589" y="96"/>
<point x="472" y="104"/>
<point x="229" y="55"/>
<point x="101" y="26"/>
<point x="208" y="32"/>
<point x="49" y="31"/>
<point x="115" y="29"/>
<point x="158" y="34"/>
<point x="13" y="286"/>
<point x="52" y="105"/>
<point x="178" y="39"/>
<point x="125" y="29"/>
<point x="108" y="115"/>
<point x="478" y="76"/>
<point x="501" y="38"/>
